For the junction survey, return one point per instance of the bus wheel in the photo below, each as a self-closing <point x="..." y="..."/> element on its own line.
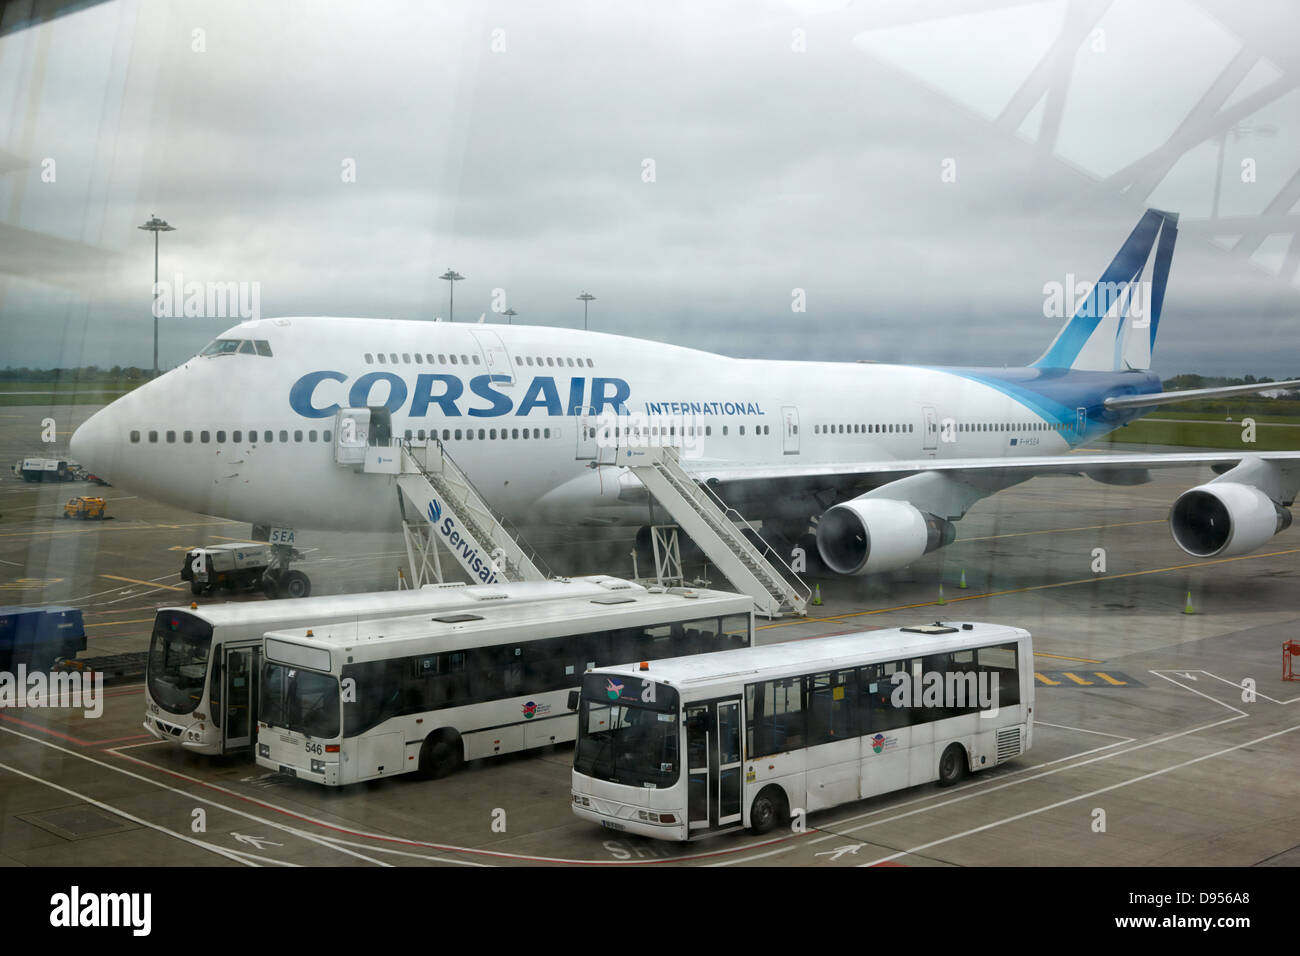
<point x="295" y="584"/>
<point x="196" y="587"/>
<point x="440" y="754"/>
<point x="952" y="765"/>
<point x="768" y="810"/>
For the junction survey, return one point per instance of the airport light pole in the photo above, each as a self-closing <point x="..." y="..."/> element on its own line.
<point x="510" y="316"/>
<point x="585" y="298"/>
<point x="452" y="277"/>
<point x="155" y="225"/>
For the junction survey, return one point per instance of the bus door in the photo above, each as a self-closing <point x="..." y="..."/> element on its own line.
<point x="237" y="675"/>
<point x="713" y="764"/>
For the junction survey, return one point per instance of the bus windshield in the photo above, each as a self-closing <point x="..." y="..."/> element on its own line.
<point x="624" y="738"/>
<point x="178" y="661"/>
<point x="299" y="700"/>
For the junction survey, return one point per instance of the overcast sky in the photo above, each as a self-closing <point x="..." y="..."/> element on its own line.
<point x="795" y="145"/>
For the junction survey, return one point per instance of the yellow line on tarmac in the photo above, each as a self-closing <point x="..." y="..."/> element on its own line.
<point x="1078" y="680"/>
<point x="1093" y="527"/>
<point x="1110" y="680"/>
<point x="1047" y="680"/>
<point x="152" y="584"/>
<point x="142" y="620"/>
<point x="1062" y="657"/>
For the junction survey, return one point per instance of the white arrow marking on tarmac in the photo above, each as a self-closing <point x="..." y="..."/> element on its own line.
<point x="257" y="843"/>
<point x="839" y="851"/>
<point x="1186" y="674"/>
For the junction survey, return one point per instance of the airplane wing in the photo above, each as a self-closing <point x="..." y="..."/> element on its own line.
<point x="1194" y="394"/>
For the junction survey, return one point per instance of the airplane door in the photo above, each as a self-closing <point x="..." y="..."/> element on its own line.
<point x="1081" y="421"/>
<point x="930" y="428"/>
<point x="495" y="357"/>
<point x="351" y="434"/>
<point x="587" y="430"/>
<point x="790" y="429"/>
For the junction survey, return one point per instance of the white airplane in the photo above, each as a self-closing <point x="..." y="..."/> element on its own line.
<point x="886" y="456"/>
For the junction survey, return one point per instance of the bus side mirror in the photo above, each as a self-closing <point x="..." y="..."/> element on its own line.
<point x="573" y="700"/>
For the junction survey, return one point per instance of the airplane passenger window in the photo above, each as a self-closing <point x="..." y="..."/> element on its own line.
<point x="480" y="434"/>
<point x="237" y="437"/>
<point x="546" y="432"/>
<point x="588" y="363"/>
<point x="284" y="434"/>
<point x="446" y="434"/>
<point x="442" y="360"/>
<point x="135" y="436"/>
<point x="518" y="360"/>
<point x="205" y="437"/>
<point x="742" y="429"/>
<point x="266" y="437"/>
<point x="297" y="434"/>
<point x="406" y="357"/>
<point x="188" y="438"/>
<point x="221" y="438"/>
<point x="570" y="363"/>
<point x="475" y="359"/>
<point x="492" y="433"/>
<point x="453" y="360"/>
<point x="153" y="437"/>
<point x="311" y="435"/>
<point x="514" y="433"/>
<point x="393" y="357"/>
<point x="530" y="360"/>
<point x="550" y="361"/>
<point x="464" y="360"/>
<point x="408" y="434"/>
<point x="370" y="359"/>
<point x="429" y="358"/>
<point x="382" y="360"/>
<point x="326" y="436"/>
<point x="457" y="434"/>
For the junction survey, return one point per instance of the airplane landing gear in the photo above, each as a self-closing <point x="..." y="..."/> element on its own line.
<point x="279" y="581"/>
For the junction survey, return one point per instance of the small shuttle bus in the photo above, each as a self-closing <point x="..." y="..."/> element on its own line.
<point x="344" y="703"/>
<point x="201" y="676"/>
<point x="684" y="748"/>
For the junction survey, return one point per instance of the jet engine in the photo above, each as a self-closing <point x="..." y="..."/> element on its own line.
<point x="1224" y="518"/>
<point x="867" y="535"/>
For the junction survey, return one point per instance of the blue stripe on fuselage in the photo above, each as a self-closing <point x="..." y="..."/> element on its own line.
<point x="1056" y="394"/>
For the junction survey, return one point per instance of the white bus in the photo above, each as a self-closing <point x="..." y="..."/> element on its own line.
<point x="201" y="675"/>
<point x="684" y="748"/>
<point x="345" y="703"/>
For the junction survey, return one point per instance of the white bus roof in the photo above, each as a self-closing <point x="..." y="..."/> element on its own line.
<point x="398" y="636"/>
<point x="811" y="654"/>
<point x="433" y="597"/>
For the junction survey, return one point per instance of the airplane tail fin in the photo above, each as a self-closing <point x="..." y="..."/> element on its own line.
<point x="1116" y="318"/>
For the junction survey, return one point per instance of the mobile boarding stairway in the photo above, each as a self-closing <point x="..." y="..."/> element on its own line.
<point x="717" y="529"/>
<point x="439" y="506"/>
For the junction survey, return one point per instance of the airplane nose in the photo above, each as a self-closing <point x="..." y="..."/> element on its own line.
<point x="91" y="445"/>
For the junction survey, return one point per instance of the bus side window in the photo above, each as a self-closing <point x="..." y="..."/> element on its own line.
<point x="832" y="700"/>
<point x="1001" y="660"/>
<point x="776" y="716"/>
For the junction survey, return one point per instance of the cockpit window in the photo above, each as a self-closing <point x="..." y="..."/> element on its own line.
<point x="238" y="346"/>
<point x="221" y="347"/>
